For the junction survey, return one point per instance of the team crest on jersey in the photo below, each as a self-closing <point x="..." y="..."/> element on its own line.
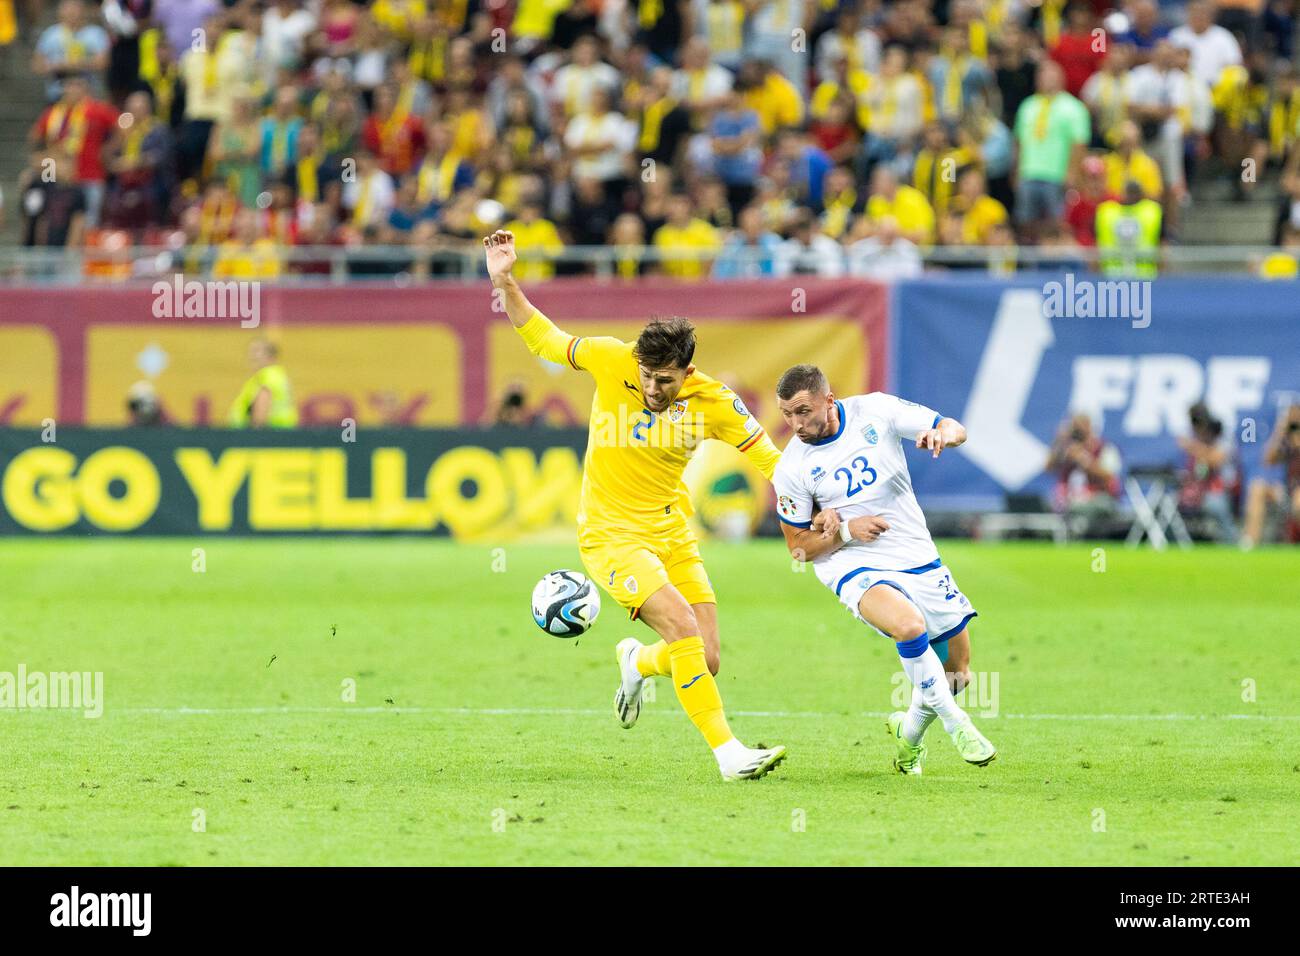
<point x="869" y="435"/>
<point x="676" y="411"/>
<point x="785" y="505"/>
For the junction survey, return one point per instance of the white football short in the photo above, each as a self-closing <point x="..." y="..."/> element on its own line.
<point x="930" y="587"/>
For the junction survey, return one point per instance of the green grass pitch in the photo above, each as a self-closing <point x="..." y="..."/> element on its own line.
<point x="1147" y="714"/>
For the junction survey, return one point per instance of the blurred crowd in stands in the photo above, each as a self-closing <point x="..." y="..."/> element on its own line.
<point x="731" y="137"/>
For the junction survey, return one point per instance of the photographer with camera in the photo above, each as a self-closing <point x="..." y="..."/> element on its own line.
<point x="1087" y="469"/>
<point x="513" y="408"/>
<point x="142" y="405"/>
<point x="1283" y="449"/>
<point x="1210" y="484"/>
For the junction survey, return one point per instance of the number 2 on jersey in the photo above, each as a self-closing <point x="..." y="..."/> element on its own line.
<point x="865" y="470"/>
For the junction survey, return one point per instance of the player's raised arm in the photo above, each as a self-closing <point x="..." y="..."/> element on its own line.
<point x="499" y="248"/>
<point x="538" y="332"/>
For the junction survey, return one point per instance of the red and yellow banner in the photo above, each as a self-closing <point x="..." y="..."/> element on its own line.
<point x="434" y="355"/>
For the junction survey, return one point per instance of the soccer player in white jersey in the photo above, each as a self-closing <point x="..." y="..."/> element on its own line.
<point x="845" y="500"/>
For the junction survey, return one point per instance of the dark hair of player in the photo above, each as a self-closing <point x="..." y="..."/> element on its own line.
<point x="801" y="378"/>
<point x="666" y="343"/>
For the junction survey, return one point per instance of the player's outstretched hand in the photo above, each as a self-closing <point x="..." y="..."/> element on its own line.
<point x="931" y="438"/>
<point x="827" y="522"/>
<point x="868" y="527"/>
<point x="499" y="249"/>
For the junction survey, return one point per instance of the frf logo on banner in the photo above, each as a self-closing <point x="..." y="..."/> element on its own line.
<point x="1013" y="362"/>
<point x="1154" y="391"/>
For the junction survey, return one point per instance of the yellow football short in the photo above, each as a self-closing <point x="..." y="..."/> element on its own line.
<point x="631" y="566"/>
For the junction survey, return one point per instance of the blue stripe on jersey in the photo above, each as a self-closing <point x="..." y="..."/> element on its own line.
<point x="937" y="419"/>
<point x="839" y="585"/>
<point x="843" y="418"/>
<point x="797" y="524"/>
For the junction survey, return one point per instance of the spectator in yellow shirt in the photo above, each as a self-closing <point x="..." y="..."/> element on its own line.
<point x="908" y="206"/>
<point x="769" y="94"/>
<point x="246" y="255"/>
<point x="1129" y="162"/>
<point x="845" y="80"/>
<point x="979" y="212"/>
<point x="537" y="242"/>
<point x="684" y="233"/>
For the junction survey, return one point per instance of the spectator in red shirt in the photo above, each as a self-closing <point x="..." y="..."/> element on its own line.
<point x="835" y="134"/>
<point x="1081" y="204"/>
<point x="79" y="125"/>
<point x="394" y="135"/>
<point x="1081" y="48"/>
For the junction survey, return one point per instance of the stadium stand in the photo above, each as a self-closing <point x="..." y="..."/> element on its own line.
<point x="275" y="138"/>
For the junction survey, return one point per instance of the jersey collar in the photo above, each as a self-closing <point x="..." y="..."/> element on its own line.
<point x="839" y="407"/>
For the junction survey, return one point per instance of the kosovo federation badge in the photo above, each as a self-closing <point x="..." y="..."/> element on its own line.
<point x="870" y="435"/>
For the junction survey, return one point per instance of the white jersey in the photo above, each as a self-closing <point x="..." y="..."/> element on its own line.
<point x="861" y="470"/>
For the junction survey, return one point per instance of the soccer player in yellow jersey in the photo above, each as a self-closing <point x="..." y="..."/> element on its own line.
<point x="651" y="409"/>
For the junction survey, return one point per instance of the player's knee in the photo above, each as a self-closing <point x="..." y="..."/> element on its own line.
<point x="909" y="629"/>
<point x="713" y="658"/>
<point x="959" y="680"/>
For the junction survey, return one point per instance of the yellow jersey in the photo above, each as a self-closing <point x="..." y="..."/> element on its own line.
<point x="536" y="242"/>
<point x="632" y="473"/>
<point x="697" y="234"/>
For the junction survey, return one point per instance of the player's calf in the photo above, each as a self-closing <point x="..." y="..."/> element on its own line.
<point x="956" y="662"/>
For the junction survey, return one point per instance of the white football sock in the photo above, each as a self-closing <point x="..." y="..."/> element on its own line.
<point x="731" y="755"/>
<point x="917" y="719"/>
<point x="927" y="675"/>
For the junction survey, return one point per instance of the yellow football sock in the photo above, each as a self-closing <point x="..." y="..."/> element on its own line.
<point x="652" y="660"/>
<point x="698" y="691"/>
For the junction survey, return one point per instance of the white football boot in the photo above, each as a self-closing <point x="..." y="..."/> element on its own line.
<point x="627" y="699"/>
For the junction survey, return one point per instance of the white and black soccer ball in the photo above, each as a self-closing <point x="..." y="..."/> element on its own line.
<point x="565" y="603"/>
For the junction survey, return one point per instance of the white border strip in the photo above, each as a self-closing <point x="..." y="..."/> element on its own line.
<point x="593" y="712"/>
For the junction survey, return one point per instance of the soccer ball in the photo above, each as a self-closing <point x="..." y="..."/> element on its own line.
<point x="565" y="603"/>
